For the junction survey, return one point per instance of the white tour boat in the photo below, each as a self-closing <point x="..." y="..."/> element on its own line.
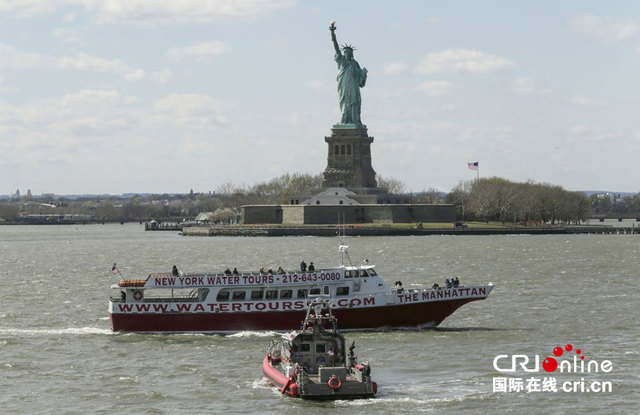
<point x="236" y="301"/>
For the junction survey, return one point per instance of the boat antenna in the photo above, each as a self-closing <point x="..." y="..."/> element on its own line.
<point x="342" y="248"/>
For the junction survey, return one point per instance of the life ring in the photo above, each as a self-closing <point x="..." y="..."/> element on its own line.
<point x="334" y="383"/>
<point x="137" y="295"/>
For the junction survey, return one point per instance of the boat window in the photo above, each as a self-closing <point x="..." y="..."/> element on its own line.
<point x="256" y="295"/>
<point x="372" y="272"/>
<point x="356" y="274"/>
<point x="203" y="293"/>
<point x="239" y="295"/>
<point x="286" y="293"/>
<point x="363" y="273"/>
<point x="302" y="293"/>
<point x="320" y="348"/>
<point x="271" y="294"/>
<point x="223" y="296"/>
<point x="342" y="291"/>
<point x="315" y="291"/>
<point x="305" y="347"/>
<point x="326" y="289"/>
<point x="347" y="274"/>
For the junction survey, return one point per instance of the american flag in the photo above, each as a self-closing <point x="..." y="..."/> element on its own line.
<point x="473" y="166"/>
<point x="114" y="269"/>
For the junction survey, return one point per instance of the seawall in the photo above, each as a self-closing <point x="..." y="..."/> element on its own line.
<point x="394" y="231"/>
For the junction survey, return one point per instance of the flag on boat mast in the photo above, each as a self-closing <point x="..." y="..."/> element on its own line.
<point x="115" y="270"/>
<point x="474" y="166"/>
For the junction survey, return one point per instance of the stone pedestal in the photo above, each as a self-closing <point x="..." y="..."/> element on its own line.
<point x="349" y="159"/>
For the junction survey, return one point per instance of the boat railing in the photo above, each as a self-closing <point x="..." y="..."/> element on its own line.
<point x="258" y="273"/>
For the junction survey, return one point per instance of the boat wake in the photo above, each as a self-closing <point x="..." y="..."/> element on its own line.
<point x="455" y="329"/>
<point x="48" y="332"/>
<point x="261" y="383"/>
<point x="251" y="333"/>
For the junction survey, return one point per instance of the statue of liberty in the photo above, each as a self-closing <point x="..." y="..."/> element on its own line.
<point x="350" y="79"/>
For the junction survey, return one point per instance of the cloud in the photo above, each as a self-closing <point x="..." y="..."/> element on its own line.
<point x="73" y="120"/>
<point x="162" y="77"/>
<point x="149" y="11"/>
<point x="527" y="86"/>
<point x="194" y="109"/>
<point x="91" y="98"/>
<point x="203" y="51"/>
<point x="162" y="11"/>
<point x="462" y="60"/>
<point x="582" y="133"/>
<point x="605" y="29"/>
<point x="435" y="88"/>
<point x="68" y="35"/>
<point x="432" y="21"/>
<point x="320" y="86"/>
<point x="588" y="102"/>
<point x="30" y="8"/>
<point x="394" y="68"/>
<point x="16" y="59"/>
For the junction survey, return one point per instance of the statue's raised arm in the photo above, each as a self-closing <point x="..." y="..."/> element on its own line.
<point x="350" y="79"/>
<point x="333" y="37"/>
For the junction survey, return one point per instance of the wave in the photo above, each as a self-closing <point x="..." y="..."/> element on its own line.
<point x="243" y="334"/>
<point x="388" y="398"/>
<point x="261" y="383"/>
<point x="48" y="332"/>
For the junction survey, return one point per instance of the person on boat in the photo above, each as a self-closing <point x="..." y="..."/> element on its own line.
<point x="303" y="266"/>
<point x="435" y="286"/>
<point x="399" y="287"/>
<point x="235" y="271"/>
<point x="123" y="296"/>
<point x="174" y="271"/>
<point x="352" y="356"/>
<point x="280" y="270"/>
<point x="261" y="270"/>
<point x="311" y="267"/>
<point x="448" y="283"/>
<point x="456" y="282"/>
<point x="227" y="271"/>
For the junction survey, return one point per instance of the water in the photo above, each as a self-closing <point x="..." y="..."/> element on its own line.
<point x="58" y="354"/>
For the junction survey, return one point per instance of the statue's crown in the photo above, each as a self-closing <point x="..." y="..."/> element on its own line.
<point x="347" y="46"/>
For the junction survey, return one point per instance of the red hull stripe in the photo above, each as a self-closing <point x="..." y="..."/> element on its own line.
<point x="275" y="377"/>
<point x="403" y="315"/>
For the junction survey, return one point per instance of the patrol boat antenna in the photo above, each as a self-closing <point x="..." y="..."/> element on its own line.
<point x="342" y="248"/>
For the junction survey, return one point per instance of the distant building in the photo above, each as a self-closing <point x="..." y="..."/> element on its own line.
<point x="335" y="205"/>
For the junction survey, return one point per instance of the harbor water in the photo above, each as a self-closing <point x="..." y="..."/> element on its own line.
<point x="58" y="354"/>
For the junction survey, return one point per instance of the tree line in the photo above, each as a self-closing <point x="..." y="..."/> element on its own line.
<point x="487" y="199"/>
<point x="607" y="205"/>
<point x="498" y="199"/>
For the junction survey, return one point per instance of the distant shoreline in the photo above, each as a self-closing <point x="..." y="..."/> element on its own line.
<point x="360" y="230"/>
<point x="394" y="231"/>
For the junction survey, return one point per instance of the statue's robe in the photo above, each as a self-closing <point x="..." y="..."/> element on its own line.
<point x="350" y="79"/>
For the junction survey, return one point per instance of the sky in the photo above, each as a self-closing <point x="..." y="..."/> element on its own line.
<point x="165" y="96"/>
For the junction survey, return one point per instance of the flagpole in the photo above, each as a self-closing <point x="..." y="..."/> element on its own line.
<point x="115" y="268"/>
